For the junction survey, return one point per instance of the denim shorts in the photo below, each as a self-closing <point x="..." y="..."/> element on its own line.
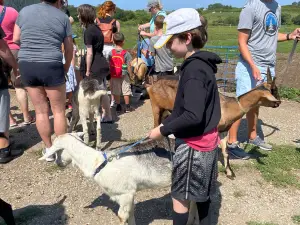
<point x="244" y="79"/>
<point x="4" y="110"/>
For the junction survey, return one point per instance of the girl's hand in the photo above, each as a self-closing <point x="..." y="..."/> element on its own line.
<point x="88" y="73"/>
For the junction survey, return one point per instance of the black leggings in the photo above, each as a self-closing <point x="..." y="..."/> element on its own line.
<point x="204" y="211"/>
<point x="6" y="213"/>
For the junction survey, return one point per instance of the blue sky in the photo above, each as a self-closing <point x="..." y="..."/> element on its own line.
<point x="169" y="4"/>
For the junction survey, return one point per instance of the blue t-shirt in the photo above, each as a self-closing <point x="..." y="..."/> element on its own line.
<point x="145" y="46"/>
<point x="152" y="25"/>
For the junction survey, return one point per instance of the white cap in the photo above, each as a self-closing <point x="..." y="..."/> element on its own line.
<point x="177" y="22"/>
<point x="153" y="3"/>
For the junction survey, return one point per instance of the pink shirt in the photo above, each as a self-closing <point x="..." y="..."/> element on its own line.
<point x="204" y="143"/>
<point x="8" y="25"/>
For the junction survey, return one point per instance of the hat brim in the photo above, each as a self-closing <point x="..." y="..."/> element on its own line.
<point x="162" y="41"/>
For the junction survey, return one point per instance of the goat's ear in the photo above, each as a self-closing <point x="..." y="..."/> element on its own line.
<point x="51" y="151"/>
<point x="269" y="76"/>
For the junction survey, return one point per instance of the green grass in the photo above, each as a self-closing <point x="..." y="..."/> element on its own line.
<point x="218" y="36"/>
<point x="280" y="167"/>
<point x="257" y="223"/>
<point x="296" y="219"/>
<point x="289" y="93"/>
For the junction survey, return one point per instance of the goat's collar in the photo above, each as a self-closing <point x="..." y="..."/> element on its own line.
<point x="241" y="107"/>
<point x="102" y="165"/>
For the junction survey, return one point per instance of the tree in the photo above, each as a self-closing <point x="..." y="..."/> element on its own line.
<point x="295" y="3"/>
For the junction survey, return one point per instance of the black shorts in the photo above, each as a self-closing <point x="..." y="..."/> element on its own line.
<point x="45" y="74"/>
<point x="194" y="175"/>
<point x="162" y="73"/>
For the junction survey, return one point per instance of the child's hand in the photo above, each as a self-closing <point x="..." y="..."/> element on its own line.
<point x="143" y="33"/>
<point x="155" y="134"/>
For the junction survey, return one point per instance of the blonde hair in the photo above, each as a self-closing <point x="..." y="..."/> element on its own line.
<point x="106" y="7"/>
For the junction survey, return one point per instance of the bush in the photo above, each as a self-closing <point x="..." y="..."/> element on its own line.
<point x="296" y="20"/>
<point x="231" y="20"/>
<point x="286" y="19"/>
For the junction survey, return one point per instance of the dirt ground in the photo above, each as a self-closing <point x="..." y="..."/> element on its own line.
<point x="42" y="193"/>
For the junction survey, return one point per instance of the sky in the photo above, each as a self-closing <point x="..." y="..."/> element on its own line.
<point x="170" y="4"/>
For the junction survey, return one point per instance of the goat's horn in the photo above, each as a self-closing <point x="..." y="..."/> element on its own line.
<point x="269" y="76"/>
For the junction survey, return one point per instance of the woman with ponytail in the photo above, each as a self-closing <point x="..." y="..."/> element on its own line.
<point x="108" y="25"/>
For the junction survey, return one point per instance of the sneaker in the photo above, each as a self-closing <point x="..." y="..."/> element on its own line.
<point x="51" y="158"/>
<point x="7" y="154"/>
<point x="113" y="104"/>
<point x="119" y="108"/>
<point x="128" y="109"/>
<point x="235" y="150"/>
<point x="260" y="143"/>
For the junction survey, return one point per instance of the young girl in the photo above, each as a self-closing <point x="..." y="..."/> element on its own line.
<point x="71" y="82"/>
<point x="195" y="116"/>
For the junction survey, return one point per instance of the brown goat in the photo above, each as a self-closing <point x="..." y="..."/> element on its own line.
<point x="162" y="95"/>
<point x="139" y="69"/>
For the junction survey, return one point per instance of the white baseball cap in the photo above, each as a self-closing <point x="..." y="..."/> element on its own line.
<point x="177" y="22"/>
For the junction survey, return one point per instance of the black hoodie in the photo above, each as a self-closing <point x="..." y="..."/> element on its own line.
<point x="197" y="104"/>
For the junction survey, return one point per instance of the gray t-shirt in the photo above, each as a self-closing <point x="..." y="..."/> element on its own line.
<point x="264" y="20"/>
<point x="163" y="58"/>
<point x="43" y="30"/>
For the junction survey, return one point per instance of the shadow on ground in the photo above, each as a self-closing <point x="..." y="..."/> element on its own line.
<point x="34" y="214"/>
<point x="155" y="209"/>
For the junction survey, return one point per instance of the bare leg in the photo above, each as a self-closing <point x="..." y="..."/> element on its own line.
<point x="57" y="97"/>
<point x="38" y="97"/>
<point x="233" y="131"/>
<point x="127" y="99"/>
<point x="106" y="108"/>
<point x="23" y="101"/>
<point x="252" y="117"/>
<point x="11" y="119"/>
<point x="4" y="142"/>
<point x="180" y="212"/>
<point x="117" y="99"/>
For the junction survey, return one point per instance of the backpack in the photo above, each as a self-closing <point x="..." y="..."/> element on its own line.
<point x="107" y="30"/>
<point x="116" y="62"/>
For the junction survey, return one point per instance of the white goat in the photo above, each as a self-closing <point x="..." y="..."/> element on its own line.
<point x="86" y="104"/>
<point x="146" y="166"/>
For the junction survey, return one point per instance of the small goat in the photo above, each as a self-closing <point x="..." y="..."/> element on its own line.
<point x="145" y="166"/>
<point x="86" y="104"/>
<point x="163" y="92"/>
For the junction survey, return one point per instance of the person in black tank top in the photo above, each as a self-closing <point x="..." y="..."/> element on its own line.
<point x="96" y="65"/>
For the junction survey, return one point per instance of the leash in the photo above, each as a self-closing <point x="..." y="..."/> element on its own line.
<point x="290" y="59"/>
<point x="293" y="51"/>
<point x="117" y="155"/>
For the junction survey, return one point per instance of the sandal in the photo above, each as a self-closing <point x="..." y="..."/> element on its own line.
<point x="26" y="123"/>
<point x="13" y="125"/>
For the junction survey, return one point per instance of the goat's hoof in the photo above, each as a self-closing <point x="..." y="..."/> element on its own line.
<point x="231" y="176"/>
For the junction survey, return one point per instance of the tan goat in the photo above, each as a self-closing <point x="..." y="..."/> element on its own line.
<point x="163" y="92"/>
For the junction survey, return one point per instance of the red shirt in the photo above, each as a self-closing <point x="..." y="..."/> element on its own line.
<point x="204" y="143"/>
<point x="8" y="25"/>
